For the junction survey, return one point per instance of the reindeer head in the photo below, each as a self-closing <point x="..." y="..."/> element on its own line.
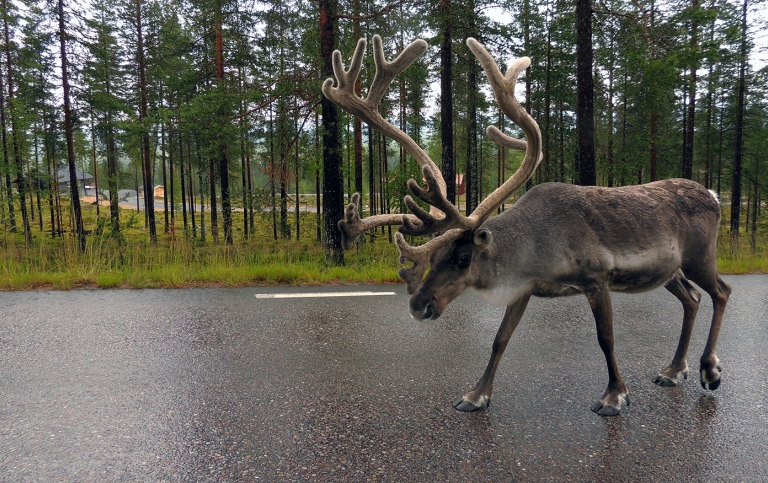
<point x="456" y="239"/>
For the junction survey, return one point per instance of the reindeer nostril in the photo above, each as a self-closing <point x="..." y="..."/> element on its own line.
<point x="427" y="313"/>
<point x="424" y="307"/>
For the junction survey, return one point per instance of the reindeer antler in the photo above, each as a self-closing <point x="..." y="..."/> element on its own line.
<point x="443" y="216"/>
<point x="368" y="110"/>
<point x="504" y="90"/>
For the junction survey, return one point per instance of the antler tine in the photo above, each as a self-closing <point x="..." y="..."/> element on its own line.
<point x="504" y="90"/>
<point x="367" y="109"/>
<point x="346" y="78"/>
<point x="420" y="256"/>
<point x="343" y="94"/>
<point x="352" y="225"/>
<point x="387" y="71"/>
<point x="505" y="141"/>
<point x="437" y="199"/>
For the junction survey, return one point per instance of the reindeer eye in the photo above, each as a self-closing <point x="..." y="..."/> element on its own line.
<point x="464" y="260"/>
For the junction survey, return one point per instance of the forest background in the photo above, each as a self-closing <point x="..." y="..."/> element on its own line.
<point x="218" y="102"/>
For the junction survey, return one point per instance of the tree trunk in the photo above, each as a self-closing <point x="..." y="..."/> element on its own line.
<point x="170" y="190"/>
<point x="708" y="155"/>
<point x="191" y="186"/>
<point x="214" y="210"/>
<point x="358" y="127"/>
<point x="737" y="155"/>
<point x="242" y="133"/>
<point x="473" y="175"/>
<point x="8" y="167"/>
<point x="448" y="163"/>
<point x="297" y="162"/>
<point x="223" y="160"/>
<point x="149" y="200"/>
<point x="720" y="146"/>
<point x="250" y="187"/>
<point x="272" y="174"/>
<point x="691" y="114"/>
<point x="244" y="184"/>
<point x="333" y="195"/>
<point x="73" y="189"/>
<point x="585" y="122"/>
<point x="49" y="171"/>
<point x="473" y="166"/>
<point x="202" y="205"/>
<point x="654" y="144"/>
<point x="755" y="210"/>
<point x="609" y="154"/>
<point x="546" y="153"/>
<point x="501" y="160"/>
<point x="164" y="167"/>
<point x="183" y="185"/>
<point x="371" y="175"/>
<point x="283" y="148"/>
<point x="23" y="181"/>
<point x="114" y="210"/>
<point x="95" y="168"/>
<point x="318" y="207"/>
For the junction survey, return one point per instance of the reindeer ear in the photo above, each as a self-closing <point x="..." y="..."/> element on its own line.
<point x="483" y="238"/>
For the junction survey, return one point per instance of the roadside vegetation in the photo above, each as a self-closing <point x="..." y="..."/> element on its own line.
<point x="181" y="260"/>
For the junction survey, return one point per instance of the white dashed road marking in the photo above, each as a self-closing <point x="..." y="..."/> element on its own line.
<point x="319" y="295"/>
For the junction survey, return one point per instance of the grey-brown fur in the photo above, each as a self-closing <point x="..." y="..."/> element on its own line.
<point x="562" y="239"/>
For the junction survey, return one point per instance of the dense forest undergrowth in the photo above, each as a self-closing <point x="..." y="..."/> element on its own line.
<point x="180" y="259"/>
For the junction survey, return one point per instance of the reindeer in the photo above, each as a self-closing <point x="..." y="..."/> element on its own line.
<point x="556" y="240"/>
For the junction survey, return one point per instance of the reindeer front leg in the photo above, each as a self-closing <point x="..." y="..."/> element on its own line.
<point x="616" y="395"/>
<point x="479" y="397"/>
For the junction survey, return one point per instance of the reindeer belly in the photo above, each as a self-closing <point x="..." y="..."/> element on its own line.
<point x="633" y="281"/>
<point x="643" y="270"/>
<point x="649" y="262"/>
<point x="626" y="271"/>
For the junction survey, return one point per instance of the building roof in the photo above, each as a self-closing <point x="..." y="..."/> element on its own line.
<point x="62" y="175"/>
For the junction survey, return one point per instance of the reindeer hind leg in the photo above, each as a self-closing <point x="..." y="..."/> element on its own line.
<point x="709" y="369"/>
<point x="677" y="371"/>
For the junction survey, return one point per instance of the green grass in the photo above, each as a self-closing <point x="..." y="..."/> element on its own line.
<point x="179" y="260"/>
<point x="746" y="257"/>
<point x="153" y="267"/>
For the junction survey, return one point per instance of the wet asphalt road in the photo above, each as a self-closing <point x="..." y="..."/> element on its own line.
<point x="216" y="385"/>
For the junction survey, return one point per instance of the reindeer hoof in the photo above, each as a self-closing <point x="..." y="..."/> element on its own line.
<point x="710" y="380"/>
<point x="604" y="409"/>
<point x="610" y="408"/>
<point x="466" y="405"/>
<point x="670" y="378"/>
